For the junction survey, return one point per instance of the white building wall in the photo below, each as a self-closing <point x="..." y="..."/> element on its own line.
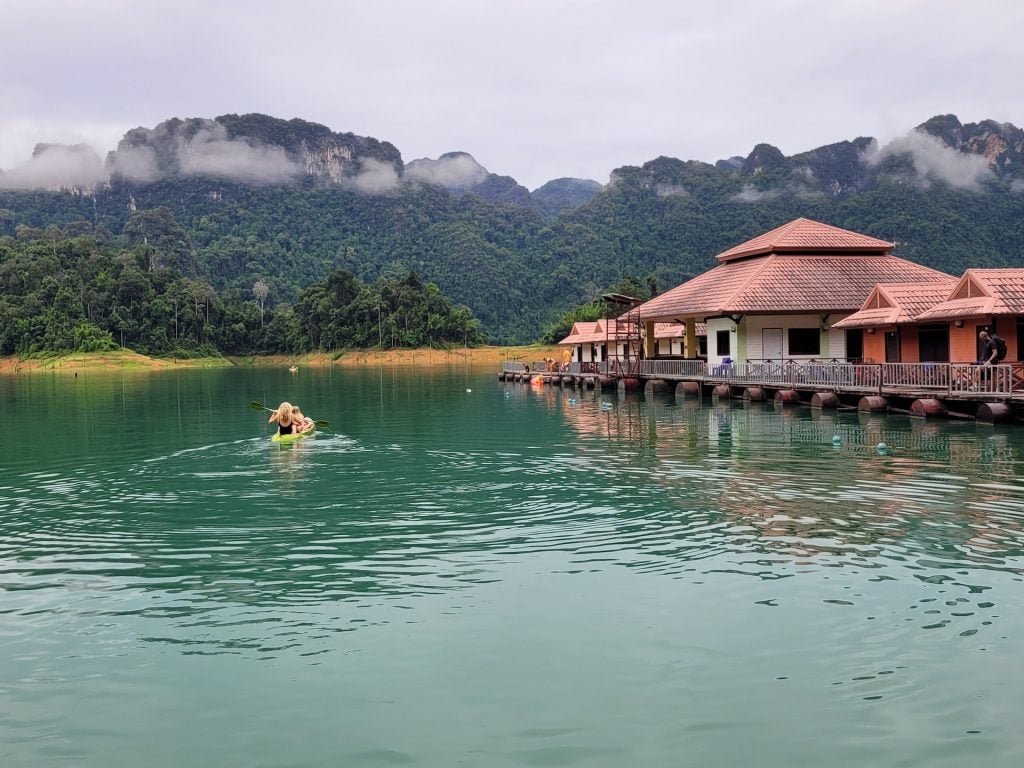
<point x="716" y="324"/>
<point x="833" y="342"/>
<point x="836" y="338"/>
<point x="669" y="347"/>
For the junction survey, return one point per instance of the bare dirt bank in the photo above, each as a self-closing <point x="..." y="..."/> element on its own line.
<point x="128" y="360"/>
<point x="412" y="357"/>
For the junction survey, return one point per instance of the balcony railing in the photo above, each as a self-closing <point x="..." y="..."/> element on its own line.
<point x="656" y="367"/>
<point x="937" y="378"/>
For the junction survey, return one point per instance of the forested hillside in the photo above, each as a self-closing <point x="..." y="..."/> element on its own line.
<point x="250" y="200"/>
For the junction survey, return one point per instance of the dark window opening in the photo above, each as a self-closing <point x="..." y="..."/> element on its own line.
<point x="933" y="342"/>
<point x="892" y="346"/>
<point x="855" y="345"/>
<point x="804" y="342"/>
<point x="722" y="343"/>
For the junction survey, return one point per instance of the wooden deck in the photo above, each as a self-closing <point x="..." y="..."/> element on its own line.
<point x="923" y="388"/>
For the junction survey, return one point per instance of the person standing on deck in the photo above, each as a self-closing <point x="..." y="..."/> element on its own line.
<point x="994" y="351"/>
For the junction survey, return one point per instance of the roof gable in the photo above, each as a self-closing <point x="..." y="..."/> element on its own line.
<point x="807" y="236"/>
<point x="968" y="288"/>
<point x="895" y="303"/>
<point x="983" y="292"/>
<point x="878" y="299"/>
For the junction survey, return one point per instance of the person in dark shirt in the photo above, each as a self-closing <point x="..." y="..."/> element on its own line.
<point x="994" y="351"/>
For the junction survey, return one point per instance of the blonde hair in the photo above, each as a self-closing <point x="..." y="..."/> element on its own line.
<point x="283" y="410"/>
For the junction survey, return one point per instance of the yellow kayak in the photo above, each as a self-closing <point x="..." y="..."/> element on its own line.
<point x="279" y="438"/>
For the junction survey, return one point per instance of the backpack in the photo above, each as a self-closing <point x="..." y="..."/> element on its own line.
<point x="1000" y="346"/>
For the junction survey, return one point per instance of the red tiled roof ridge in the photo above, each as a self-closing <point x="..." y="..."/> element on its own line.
<point x="897" y="292"/>
<point x="807" y="236"/>
<point x="781" y="282"/>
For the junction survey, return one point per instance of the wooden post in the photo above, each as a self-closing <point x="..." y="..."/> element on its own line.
<point x="722" y="391"/>
<point x="927" y="407"/>
<point x="873" y="404"/>
<point x="655" y="387"/>
<point x="787" y="397"/>
<point x="607" y="382"/>
<point x="828" y="400"/>
<point x="650" y="343"/>
<point x="993" y="413"/>
<point x="754" y="394"/>
<point x="686" y="389"/>
<point x="690" y="349"/>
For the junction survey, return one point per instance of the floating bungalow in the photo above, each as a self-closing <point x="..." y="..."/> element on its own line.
<point x="889" y="321"/>
<point x="603" y="340"/>
<point x="811" y="313"/>
<point x="596" y="342"/>
<point x="983" y="299"/>
<point x="778" y="297"/>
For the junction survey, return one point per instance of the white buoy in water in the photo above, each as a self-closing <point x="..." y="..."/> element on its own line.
<point x="882" y="448"/>
<point x="837" y="440"/>
<point x="468" y="389"/>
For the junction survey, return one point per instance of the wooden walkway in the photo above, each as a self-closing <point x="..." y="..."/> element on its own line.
<point x="988" y="393"/>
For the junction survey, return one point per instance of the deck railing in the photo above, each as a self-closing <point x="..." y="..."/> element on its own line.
<point x="939" y="378"/>
<point x="656" y="367"/>
<point x="916" y="375"/>
<point x="986" y="379"/>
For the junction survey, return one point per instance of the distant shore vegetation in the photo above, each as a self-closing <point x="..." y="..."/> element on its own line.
<point x="67" y="292"/>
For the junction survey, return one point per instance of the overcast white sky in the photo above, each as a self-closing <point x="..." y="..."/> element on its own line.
<point x="535" y="89"/>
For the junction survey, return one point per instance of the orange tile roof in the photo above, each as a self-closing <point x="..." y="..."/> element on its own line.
<point x="584" y="332"/>
<point x="802" y="266"/>
<point x="777" y="284"/>
<point x="596" y="331"/>
<point x="677" y="330"/>
<point x="895" y="303"/>
<point x="806" y="236"/>
<point x="982" y="292"/>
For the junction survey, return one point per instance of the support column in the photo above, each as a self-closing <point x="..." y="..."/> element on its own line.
<point x="690" y="348"/>
<point x="650" y="343"/>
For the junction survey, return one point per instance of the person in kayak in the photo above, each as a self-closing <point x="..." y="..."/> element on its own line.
<point x="283" y="417"/>
<point x="300" y="423"/>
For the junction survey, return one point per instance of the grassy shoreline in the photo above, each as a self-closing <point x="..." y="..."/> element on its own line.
<point x="126" y="360"/>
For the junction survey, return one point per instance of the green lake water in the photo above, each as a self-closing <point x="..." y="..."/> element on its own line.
<point x="462" y="572"/>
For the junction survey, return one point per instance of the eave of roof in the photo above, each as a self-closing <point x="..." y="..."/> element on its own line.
<point x="786" y="284"/>
<point x="906" y="302"/>
<point x="807" y="236"/>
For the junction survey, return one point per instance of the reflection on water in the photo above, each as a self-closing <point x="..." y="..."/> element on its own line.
<point x="720" y="549"/>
